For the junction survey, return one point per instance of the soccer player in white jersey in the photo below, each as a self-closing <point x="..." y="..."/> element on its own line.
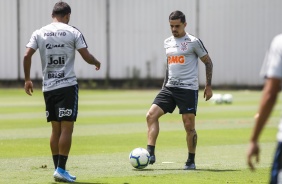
<point x="180" y="85"/>
<point x="57" y="44"/>
<point x="272" y="72"/>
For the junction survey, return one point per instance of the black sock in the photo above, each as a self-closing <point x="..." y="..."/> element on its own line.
<point x="56" y="160"/>
<point x="151" y="149"/>
<point x="191" y="158"/>
<point x="62" y="161"/>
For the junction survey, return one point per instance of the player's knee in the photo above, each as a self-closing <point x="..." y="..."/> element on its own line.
<point x="189" y="127"/>
<point x="189" y="124"/>
<point x="192" y="132"/>
<point x="151" y="118"/>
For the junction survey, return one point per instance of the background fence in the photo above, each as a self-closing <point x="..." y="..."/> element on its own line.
<point x="127" y="36"/>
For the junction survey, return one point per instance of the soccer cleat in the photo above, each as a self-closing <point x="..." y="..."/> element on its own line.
<point x="189" y="166"/>
<point x="71" y="176"/>
<point x="152" y="159"/>
<point x="62" y="176"/>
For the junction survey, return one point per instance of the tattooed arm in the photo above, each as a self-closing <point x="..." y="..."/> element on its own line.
<point x="209" y="66"/>
<point x="166" y="76"/>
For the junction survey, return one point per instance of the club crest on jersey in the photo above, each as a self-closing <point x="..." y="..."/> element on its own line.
<point x="184" y="46"/>
<point x="176" y="59"/>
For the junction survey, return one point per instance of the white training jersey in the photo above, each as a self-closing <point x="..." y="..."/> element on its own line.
<point x="57" y="43"/>
<point x="182" y="61"/>
<point x="272" y="67"/>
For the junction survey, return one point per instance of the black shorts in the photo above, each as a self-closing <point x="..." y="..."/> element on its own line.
<point x="185" y="99"/>
<point x="276" y="170"/>
<point x="62" y="104"/>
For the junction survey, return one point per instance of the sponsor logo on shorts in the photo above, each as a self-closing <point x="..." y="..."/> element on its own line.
<point x="64" y="112"/>
<point x="47" y="114"/>
<point x="176" y="59"/>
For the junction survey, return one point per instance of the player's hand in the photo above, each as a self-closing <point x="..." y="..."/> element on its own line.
<point x="207" y="92"/>
<point x="28" y="86"/>
<point x="98" y="65"/>
<point x="253" y="151"/>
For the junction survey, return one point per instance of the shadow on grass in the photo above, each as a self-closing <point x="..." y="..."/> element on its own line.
<point x="217" y="170"/>
<point x="206" y="170"/>
<point x="81" y="182"/>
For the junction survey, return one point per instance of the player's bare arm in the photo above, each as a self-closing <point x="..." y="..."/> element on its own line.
<point x="270" y="92"/>
<point x="89" y="58"/>
<point x="28" y="86"/>
<point x="209" y="66"/>
<point x="166" y="75"/>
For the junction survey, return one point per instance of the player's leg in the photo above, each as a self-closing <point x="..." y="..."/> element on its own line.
<point x="191" y="139"/>
<point x="187" y="101"/>
<point x="51" y="116"/>
<point x="152" y="118"/>
<point x="65" y="142"/>
<point x="54" y="141"/>
<point x="64" y="146"/>
<point x="66" y="111"/>
<point x="162" y="104"/>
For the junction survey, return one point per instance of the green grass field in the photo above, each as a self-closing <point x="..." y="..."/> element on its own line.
<point x="112" y="122"/>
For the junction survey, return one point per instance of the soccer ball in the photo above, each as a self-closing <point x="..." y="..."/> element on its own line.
<point x="217" y="98"/>
<point x="139" y="158"/>
<point x="227" y="98"/>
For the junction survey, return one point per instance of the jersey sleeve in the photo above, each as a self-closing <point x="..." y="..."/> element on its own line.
<point x="80" y="41"/>
<point x="200" y="48"/>
<point x="272" y="67"/>
<point x="33" y="41"/>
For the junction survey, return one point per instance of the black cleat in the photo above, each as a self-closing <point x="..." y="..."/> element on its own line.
<point x="152" y="159"/>
<point x="189" y="166"/>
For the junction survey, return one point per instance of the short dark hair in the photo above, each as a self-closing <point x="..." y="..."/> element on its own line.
<point x="177" y="15"/>
<point x="61" y="9"/>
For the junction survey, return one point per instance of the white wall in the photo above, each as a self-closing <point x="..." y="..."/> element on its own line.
<point x="138" y="30"/>
<point x="235" y="32"/>
<point x="8" y="34"/>
<point x="87" y="15"/>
